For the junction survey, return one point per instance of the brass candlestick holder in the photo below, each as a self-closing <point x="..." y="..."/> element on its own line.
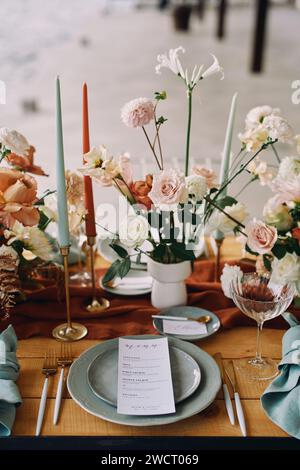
<point x="68" y="331"/>
<point x="98" y="304"/>
<point x="219" y="243"/>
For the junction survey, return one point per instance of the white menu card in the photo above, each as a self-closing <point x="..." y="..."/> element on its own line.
<point x="180" y="327"/>
<point x="144" y="377"/>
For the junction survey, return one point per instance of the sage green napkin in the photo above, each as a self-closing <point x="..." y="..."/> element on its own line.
<point x="9" y="372"/>
<point x="281" y="400"/>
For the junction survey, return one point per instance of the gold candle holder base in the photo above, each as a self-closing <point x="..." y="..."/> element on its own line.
<point x="68" y="331"/>
<point x="64" y="332"/>
<point x="98" y="304"/>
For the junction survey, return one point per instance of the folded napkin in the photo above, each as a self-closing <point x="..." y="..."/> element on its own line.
<point x="130" y="315"/>
<point x="9" y="372"/>
<point x="281" y="400"/>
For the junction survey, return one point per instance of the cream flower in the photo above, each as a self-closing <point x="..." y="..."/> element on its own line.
<point x="289" y="167"/>
<point x="196" y="186"/>
<point x="260" y="169"/>
<point x="209" y="175"/>
<point x="75" y="187"/>
<point x="260" y="237"/>
<point x="278" y="128"/>
<point x="14" y="141"/>
<point x="168" y="188"/>
<point x="286" y="269"/>
<point x="229" y="275"/>
<point x="134" y="231"/>
<point x="277" y="214"/>
<point x="220" y="221"/>
<point x="138" y="112"/>
<point x="256" y="115"/>
<point x="213" y="69"/>
<point x="254" y="138"/>
<point x="171" y="62"/>
<point x="95" y="157"/>
<point x="287" y="190"/>
<point x="33" y="239"/>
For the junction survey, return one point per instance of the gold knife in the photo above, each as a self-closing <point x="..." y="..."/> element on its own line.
<point x="227" y="399"/>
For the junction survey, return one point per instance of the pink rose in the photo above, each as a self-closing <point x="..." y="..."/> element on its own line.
<point x="209" y="175"/>
<point x="168" y="188"/>
<point x="138" y="112"/>
<point x="261" y="237"/>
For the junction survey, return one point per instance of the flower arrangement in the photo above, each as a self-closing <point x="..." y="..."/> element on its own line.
<point x="170" y="208"/>
<point x="23" y="243"/>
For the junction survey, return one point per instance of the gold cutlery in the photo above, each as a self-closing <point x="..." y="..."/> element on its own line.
<point x="227" y="399"/>
<point x="49" y="368"/>
<point x="239" y="409"/>
<point x="64" y="360"/>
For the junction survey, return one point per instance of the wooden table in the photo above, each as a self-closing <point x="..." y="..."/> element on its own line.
<point x="74" y="421"/>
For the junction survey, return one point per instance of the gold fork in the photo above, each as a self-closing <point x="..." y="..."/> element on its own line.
<point x="49" y="368"/>
<point x="64" y="360"/>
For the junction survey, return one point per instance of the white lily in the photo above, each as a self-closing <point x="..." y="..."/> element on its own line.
<point x="171" y="62"/>
<point x="213" y="69"/>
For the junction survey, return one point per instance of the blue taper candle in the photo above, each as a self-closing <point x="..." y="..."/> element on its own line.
<point x="62" y="206"/>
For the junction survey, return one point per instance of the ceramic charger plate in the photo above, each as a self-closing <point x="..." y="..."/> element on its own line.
<point x="203" y="396"/>
<point x="186" y="374"/>
<point x="134" y="290"/>
<point x="193" y="312"/>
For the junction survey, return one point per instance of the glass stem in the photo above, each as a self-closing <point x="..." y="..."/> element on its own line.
<point x="258" y="357"/>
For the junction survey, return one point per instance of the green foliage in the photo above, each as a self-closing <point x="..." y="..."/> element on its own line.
<point x="179" y="251"/>
<point x="160" y="95"/>
<point x="117" y="269"/>
<point x="119" y="250"/>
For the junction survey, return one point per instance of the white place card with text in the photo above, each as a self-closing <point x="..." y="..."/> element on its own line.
<point x="180" y="327"/>
<point x="144" y="377"/>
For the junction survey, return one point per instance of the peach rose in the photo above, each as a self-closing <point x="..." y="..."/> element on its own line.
<point x="17" y="196"/>
<point x="209" y="175"/>
<point x="260" y="237"/>
<point x="140" y="190"/>
<point x="25" y="162"/>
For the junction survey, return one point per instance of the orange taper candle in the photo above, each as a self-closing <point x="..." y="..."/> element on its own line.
<point x="90" y="226"/>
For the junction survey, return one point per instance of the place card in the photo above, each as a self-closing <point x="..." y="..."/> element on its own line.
<point x="144" y="377"/>
<point x="182" y="327"/>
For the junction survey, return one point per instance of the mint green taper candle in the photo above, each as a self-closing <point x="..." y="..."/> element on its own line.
<point x="62" y="206"/>
<point x="226" y="155"/>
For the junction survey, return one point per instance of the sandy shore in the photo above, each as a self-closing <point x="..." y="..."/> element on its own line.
<point x="118" y="65"/>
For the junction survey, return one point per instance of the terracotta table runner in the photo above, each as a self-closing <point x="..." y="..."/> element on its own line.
<point x="127" y="315"/>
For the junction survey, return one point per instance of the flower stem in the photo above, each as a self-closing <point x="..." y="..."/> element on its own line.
<point x="244" y="187"/>
<point x="152" y="148"/>
<point x="276" y="153"/>
<point x="188" y="135"/>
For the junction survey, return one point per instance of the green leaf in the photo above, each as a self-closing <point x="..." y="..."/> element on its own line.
<point x="112" y="272"/>
<point x="267" y="262"/>
<point x="279" y="250"/>
<point x="161" y="120"/>
<point x="226" y="201"/>
<point x="124" y="267"/>
<point x="181" y="252"/>
<point x="160" y="95"/>
<point x="44" y="221"/>
<point x="119" y="250"/>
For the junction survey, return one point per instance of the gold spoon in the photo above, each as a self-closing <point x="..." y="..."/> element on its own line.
<point x="201" y="319"/>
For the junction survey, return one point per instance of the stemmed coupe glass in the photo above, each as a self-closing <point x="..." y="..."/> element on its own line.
<point x="260" y="298"/>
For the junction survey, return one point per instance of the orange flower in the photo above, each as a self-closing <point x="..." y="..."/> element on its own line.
<point x="17" y="196"/>
<point x="140" y="190"/>
<point x="296" y="233"/>
<point x="25" y="162"/>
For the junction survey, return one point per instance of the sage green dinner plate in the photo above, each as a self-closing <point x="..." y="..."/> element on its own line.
<point x="186" y="374"/>
<point x="203" y="396"/>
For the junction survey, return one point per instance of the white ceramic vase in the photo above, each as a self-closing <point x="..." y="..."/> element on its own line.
<point x="169" y="289"/>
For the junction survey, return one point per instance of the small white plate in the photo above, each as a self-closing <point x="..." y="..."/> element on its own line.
<point x="129" y="290"/>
